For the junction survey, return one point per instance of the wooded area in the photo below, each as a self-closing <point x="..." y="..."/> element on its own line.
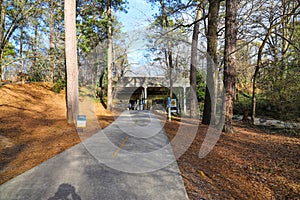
<point x="254" y="47"/>
<point x="241" y="60"/>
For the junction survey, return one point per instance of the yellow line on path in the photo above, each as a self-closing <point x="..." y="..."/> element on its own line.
<point x="120" y="147"/>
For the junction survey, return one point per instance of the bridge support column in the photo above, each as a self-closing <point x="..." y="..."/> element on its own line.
<point x="145" y="96"/>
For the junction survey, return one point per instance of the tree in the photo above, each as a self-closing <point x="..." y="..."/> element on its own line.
<point x="109" y="56"/>
<point x="193" y="70"/>
<point x="51" y="38"/>
<point x="71" y="60"/>
<point x="12" y="14"/>
<point x="97" y="24"/>
<point x="230" y="61"/>
<point x="212" y="48"/>
<point x="274" y="21"/>
<point x="164" y="22"/>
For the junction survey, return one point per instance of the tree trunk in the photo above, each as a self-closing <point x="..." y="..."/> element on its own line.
<point x="2" y="26"/>
<point x="253" y="101"/>
<point x="257" y="67"/>
<point x="21" y="48"/>
<point x="193" y="70"/>
<point x="35" y="48"/>
<point x="109" y="57"/>
<point x="212" y="48"/>
<point x="71" y="60"/>
<point x="168" y="53"/>
<point x="170" y="64"/>
<point x="1" y="67"/>
<point x="285" y="44"/>
<point x="259" y="58"/>
<point x="230" y="62"/>
<point x="51" y="41"/>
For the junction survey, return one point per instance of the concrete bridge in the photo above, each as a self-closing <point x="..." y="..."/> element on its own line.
<point x="146" y="89"/>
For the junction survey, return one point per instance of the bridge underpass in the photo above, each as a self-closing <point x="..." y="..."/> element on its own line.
<point x="150" y="91"/>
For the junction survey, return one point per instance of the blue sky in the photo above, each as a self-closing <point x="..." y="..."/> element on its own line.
<point x="139" y="14"/>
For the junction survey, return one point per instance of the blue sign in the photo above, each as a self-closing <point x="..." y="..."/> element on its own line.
<point x="81" y="121"/>
<point x="169" y="102"/>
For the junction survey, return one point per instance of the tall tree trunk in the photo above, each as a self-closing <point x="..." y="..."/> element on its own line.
<point x="109" y="57"/>
<point x="257" y="67"/>
<point x="259" y="58"/>
<point x="170" y="65"/>
<point x="193" y="70"/>
<point x="21" y="49"/>
<point x="2" y="28"/>
<point x="230" y="61"/>
<point x="1" y="67"/>
<point x="168" y="53"/>
<point x="71" y="60"/>
<point x="51" y="40"/>
<point x="212" y="48"/>
<point x="35" y="48"/>
<point x="285" y="45"/>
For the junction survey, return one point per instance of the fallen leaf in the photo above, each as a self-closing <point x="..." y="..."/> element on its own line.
<point x="201" y="173"/>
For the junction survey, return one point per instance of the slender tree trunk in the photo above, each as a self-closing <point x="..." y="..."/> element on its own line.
<point x="169" y="55"/>
<point x="21" y="49"/>
<point x="170" y="64"/>
<point x="2" y="28"/>
<point x="2" y="18"/>
<point x="257" y="67"/>
<point x="1" y="67"/>
<point x="230" y="61"/>
<point x="109" y="57"/>
<point x="34" y="48"/>
<point x="51" y="40"/>
<point x="168" y="52"/>
<point x="193" y="70"/>
<point x="253" y="101"/>
<point x="259" y="58"/>
<point x="285" y="44"/>
<point x="212" y="48"/>
<point x="71" y="60"/>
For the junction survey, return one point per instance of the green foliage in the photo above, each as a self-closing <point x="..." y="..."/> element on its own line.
<point x="92" y="22"/>
<point x="38" y="73"/>
<point x="9" y="50"/>
<point x="241" y="104"/>
<point x="281" y="92"/>
<point x="278" y="96"/>
<point x="59" y="86"/>
<point x="101" y="90"/>
<point x="200" y="86"/>
<point x="9" y="54"/>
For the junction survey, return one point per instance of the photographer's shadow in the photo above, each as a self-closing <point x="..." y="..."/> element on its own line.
<point x="65" y="191"/>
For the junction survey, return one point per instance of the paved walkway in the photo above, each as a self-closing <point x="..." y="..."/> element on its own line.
<point x="123" y="161"/>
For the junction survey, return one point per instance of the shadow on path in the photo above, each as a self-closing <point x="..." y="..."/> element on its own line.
<point x="65" y="191"/>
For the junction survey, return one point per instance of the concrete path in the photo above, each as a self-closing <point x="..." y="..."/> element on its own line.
<point x="130" y="159"/>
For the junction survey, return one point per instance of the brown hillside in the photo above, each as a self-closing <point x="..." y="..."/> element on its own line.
<point x="33" y="127"/>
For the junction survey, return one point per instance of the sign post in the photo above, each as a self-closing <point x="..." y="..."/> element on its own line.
<point x="173" y="105"/>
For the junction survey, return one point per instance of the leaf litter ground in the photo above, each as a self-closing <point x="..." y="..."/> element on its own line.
<point x="250" y="164"/>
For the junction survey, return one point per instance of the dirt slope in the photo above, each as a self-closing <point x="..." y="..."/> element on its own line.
<point x="33" y="127"/>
